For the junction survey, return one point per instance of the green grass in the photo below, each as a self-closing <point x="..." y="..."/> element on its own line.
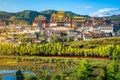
<point x="95" y="42"/>
<point x="41" y="66"/>
<point x="37" y="62"/>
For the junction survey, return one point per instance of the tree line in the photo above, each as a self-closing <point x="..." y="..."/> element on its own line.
<point x="59" y="49"/>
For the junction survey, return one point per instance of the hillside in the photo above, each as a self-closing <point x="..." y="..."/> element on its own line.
<point x="29" y="15"/>
<point x="6" y="15"/>
<point x="95" y="42"/>
<point x="115" y="17"/>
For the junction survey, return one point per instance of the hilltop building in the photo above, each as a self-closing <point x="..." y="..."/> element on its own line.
<point x="77" y="21"/>
<point x="40" y="21"/>
<point x="60" y="19"/>
<point x="77" y="26"/>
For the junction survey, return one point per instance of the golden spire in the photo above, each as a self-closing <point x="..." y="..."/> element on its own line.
<point x="53" y="14"/>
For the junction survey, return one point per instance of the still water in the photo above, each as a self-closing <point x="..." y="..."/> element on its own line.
<point x="11" y="77"/>
<point x="10" y="74"/>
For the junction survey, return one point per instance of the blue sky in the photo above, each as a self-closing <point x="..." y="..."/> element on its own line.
<point x="84" y="7"/>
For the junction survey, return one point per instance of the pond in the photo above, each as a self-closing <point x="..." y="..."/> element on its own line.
<point x="11" y="74"/>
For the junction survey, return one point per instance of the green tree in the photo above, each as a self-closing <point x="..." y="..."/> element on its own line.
<point x="83" y="72"/>
<point x="102" y="74"/>
<point x="30" y="77"/>
<point x="117" y="76"/>
<point x="19" y="75"/>
<point x="112" y="70"/>
<point x="116" y="53"/>
<point x="37" y="34"/>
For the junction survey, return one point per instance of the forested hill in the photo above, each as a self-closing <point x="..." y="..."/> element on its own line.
<point x="115" y="18"/>
<point x="29" y="15"/>
<point x="26" y="15"/>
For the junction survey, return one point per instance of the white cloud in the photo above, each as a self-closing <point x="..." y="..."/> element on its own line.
<point x="86" y="6"/>
<point x="106" y="12"/>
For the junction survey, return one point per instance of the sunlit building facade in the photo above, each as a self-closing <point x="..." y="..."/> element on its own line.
<point x="40" y="21"/>
<point x="77" y="21"/>
<point x="60" y="19"/>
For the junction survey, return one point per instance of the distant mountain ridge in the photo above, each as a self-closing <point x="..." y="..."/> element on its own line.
<point x="29" y="15"/>
<point x="115" y="18"/>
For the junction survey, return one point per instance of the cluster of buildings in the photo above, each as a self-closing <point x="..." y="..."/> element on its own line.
<point x="76" y="26"/>
<point x="60" y="24"/>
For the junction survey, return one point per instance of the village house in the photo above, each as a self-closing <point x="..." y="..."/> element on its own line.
<point x="2" y="25"/>
<point x="90" y="35"/>
<point x="76" y="26"/>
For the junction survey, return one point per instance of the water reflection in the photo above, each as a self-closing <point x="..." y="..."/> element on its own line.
<point x="10" y="77"/>
<point x="11" y="74"/>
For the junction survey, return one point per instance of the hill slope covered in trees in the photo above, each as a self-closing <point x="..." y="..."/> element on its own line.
<point x="29" y="15"/>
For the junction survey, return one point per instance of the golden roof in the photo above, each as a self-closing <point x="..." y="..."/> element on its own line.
<point x="40" y="17"/>
<point x="60" y="12"/>
<point x="78" y="17"/>
<point x="53" y="14"/>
